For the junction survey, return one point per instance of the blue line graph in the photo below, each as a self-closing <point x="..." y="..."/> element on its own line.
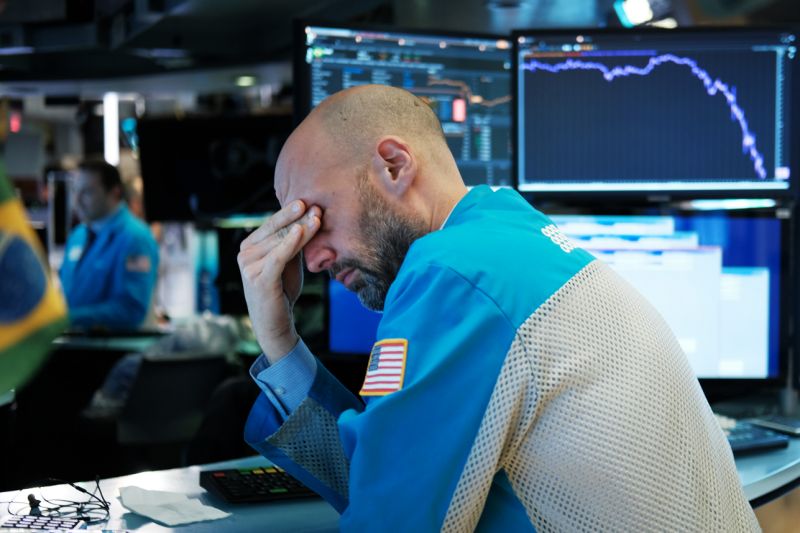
<point x="712" y="86"/>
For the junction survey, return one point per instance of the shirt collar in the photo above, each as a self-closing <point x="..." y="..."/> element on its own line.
<point x="472" y="197"/>
<point x="447" y="217"/>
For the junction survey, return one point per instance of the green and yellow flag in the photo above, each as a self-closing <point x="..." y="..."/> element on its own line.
<point x="32" y="310"/>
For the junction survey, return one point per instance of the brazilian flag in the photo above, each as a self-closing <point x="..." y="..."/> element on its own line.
<point x="32" y="309"/>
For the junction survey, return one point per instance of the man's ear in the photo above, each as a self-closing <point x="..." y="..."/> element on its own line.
<point x="395" y="165"/>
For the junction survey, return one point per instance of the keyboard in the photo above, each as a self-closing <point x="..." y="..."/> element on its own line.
<point x="253" y="485"/>
<point x="46" y="523"/>
<point x="747" y="438"/>
<point x="781" y="424"/>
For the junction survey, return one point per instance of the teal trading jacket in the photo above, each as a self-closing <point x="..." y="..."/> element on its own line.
<point x="517" y="384"/>
<point x="110" y="284"/>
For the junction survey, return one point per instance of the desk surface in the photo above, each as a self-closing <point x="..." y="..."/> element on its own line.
<point x="761" y="475"/>
<point x="764" y="473"/>
<point x="291" y="516"/>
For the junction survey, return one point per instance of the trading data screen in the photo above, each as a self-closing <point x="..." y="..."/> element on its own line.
<point x="466" y="81"/>
<point x="656" y="111"/>
<point x="715" y="278"/>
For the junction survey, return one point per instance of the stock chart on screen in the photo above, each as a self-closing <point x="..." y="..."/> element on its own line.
<point x="655" y="111"/>
<point x="465" y="79"/>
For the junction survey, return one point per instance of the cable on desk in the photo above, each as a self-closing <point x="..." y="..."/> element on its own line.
<point x="90" y="511"/>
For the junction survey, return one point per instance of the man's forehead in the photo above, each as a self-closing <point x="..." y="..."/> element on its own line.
<point x="283" y="179"/>
<point x="289" y="163"/>
<point x="307" y="163"/>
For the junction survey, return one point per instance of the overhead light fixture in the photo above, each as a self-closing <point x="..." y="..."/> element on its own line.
<point x="633" y="12"/>
<point x="246" y="81"/>
<point x="111" y="128"/>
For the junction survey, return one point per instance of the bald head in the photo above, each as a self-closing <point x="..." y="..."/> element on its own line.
<point x="347" y="128"/>
<point x="356" y="118"/>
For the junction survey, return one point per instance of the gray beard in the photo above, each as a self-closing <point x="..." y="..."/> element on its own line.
<point x="387" y="236"/>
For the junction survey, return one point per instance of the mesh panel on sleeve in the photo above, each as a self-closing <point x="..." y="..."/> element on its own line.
<point x="310" y="438"/>
<point x="600" y="424"/>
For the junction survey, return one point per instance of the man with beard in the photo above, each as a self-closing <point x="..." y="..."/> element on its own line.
<point x="518" y="383"/>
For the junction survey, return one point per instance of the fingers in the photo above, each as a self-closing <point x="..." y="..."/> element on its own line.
<point x="310" y="228"/>
<point x="279" y="220"/>
<point x="282" y="254"/>
<point x="254" y="251"/>
<point x="269" y="261"/>
<point x="255" y="257"/>
<point x="277" y="226"/>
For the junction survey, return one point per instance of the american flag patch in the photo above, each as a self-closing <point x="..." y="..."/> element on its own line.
<point x="138" y="263"/>
<point x="387" y="367"/>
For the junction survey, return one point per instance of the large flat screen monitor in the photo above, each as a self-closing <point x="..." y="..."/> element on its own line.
<point x="719" y="279"/>
<point x="204" y="168"/>
<point x="649" y="111"/>
<point x="352" y="328"/>
<point x="466" y="79"/>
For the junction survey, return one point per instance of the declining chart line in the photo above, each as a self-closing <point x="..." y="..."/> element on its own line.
<point x="713" y="86"/>
<point x="471" y="98"/>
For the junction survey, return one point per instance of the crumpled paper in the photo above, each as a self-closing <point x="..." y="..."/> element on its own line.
<point x="168" y="508"/>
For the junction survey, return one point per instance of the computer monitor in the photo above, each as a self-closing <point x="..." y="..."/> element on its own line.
<point x="647" y="111"/>
<point x="720" y="279"/>
<point x="204" y="168"/>
<point x="352" y="328"/>
<point x="466" y="79"/>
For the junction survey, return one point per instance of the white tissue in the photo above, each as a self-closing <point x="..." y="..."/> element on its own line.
<point x="169" y="508"/>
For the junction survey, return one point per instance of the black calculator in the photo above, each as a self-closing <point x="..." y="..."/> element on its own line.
<point x="44" y="523"/>
<point x="253" y="485"/>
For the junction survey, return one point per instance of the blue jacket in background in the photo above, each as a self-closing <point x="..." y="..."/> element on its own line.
<point x="110" y="284"/>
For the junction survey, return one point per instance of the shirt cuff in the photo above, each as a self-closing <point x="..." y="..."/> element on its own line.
<point x="287" y="382"/>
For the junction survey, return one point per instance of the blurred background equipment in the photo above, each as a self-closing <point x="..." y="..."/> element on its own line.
<point x="205" y="168"/>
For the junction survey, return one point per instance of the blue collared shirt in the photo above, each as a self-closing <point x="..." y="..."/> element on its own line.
<point x="110" y="282"/>
<point x="287" y="382"/>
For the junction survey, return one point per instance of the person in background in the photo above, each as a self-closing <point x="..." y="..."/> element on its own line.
<point x="110" y="259"/>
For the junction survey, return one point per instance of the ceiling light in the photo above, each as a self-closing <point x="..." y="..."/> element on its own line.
<point x="246" y="81"/>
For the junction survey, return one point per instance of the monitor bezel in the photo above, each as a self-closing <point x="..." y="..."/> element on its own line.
<point x="784" y="212"/>
<point x="650" y="195"/>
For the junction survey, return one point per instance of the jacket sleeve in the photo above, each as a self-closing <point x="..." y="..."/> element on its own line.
<point x="305" y="442"/>
<point x="400" y="459"/>
<point x="132" y="288"/>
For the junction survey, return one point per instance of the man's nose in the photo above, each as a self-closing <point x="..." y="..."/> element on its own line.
<point x="318" y="256"/>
